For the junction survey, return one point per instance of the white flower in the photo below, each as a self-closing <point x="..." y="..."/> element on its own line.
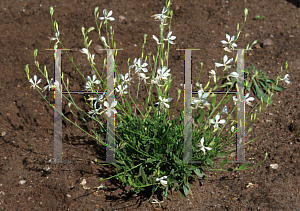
<point x="110" y="108"/>
<point x="56" y="36"/>
<point x="95" y="111"/>
<point x="143" y="76"/>
<point x="138" y="66"/>
<point x="249" y="99"/>
<point x="106" y="17"/>
<point x="162" y="16"/>
<point x="98" y="99"/>
<point x="163" y="102"/>
<point x="57" y="86"/>
<point x="201" y="100"/>
<point x="217" y="121"/>
<point x="232" y="129"/>
<point x="156" y="39"/>
<point x="89" y="83"/>
<point x="85" y="51"/>
<point x="225" y="58"/>
<point x="125" y="78"/>
<point x="156" y="81"/>
<point x="229" y="41"/>
<point x="246" y="100"/>
<point x="94" y="81"/>
<point x="163" y="74"/>
<point x="199" y="85"/>
<point x="214" y="75"/>
<point x="234" y="75"/>
<point x="162" y="180"/>
<point x="224" y="110"/>
<point x="202" y="147"/>
<point x="286" y="79"/>
<point x="35" y="83"/>
<point x="49" y="86"/>
<point x="170" y="38"/>
<point x="122" y="89"/>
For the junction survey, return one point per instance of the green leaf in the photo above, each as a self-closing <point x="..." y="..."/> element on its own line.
<point x="158" y="91"/>
<point x="260" y="94"/>
<point x="186" y="190"/>
<point x="226" y="84"/>
<point x="263" y="85"/>
<point x="227" y="99"/>
<point x="278" y="89"/>
<point x="199" y="173"/>
<point x="129" y="107"/>
<point x="165" y="193"/>
<point x="209" y="161"/>
<point x="243" y="166"/>
<point x="145" y="181"/>
<point x="214" y="100"/>
<point x="199" y="117"/>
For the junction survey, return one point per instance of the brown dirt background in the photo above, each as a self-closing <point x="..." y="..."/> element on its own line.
<point x="26" y="122"/>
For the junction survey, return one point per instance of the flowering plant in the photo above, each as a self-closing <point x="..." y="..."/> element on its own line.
<point x="149" y="145"/>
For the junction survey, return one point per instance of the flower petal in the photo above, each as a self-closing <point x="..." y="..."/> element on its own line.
<point x="218" y="65"/>
<point x="109" y="13"/>
<point x="222" y="121"/>
<point x="202" y="141"/>
<point x="113" y="104"/>
<point x="225" y="58"/>
<point x="228" y="37"/>
<point x="234" y="74"/>
<point x="208" y="148"/>
<point x="250" y="99"/>
<point x="163" y="182"/>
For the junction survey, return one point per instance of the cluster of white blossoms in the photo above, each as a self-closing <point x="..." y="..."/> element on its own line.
<point x="162" y="75"/>
<point x="50" y="85"/>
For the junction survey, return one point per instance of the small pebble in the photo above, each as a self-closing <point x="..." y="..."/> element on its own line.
<point x="268" y="42"/>
<point x="257" y="46"/>
<point x="122" y="18"/>
<point x="274" y="166"/>
<point x="212" y="192"/>
<point x="22" y="182"/>
<point x="98" y="49"/>
<point x="3" y="133"/>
